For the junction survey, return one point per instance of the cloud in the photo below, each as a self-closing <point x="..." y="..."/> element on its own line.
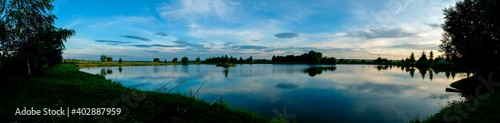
<point x="434" y="26"/>
<point x="192" y="26"/>
<point x="196" y="47"/>
<point x="381" y="33"/>
<point x="413" y="46"/>
<point x="228" y="43"/>
<point x="286" y="35"/>
<point x="154" y="45"/>
<point x="440" y="96"/>
<point x="307" y="49"/>
<point x="198" y="9"/>
<point x="136" y="37"/>
<point x="110" y="42"/>
<point x="161" y="34"/>
<point x="151" y="51"/>
<point x="255" y="47"/>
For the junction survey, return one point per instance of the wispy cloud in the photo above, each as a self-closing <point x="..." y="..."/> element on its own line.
<point x="286" y="35"/>
<point x="434" y="26"/>
<point x="161" y="34"/>
<point x="151" y="51"/>
<point x="136" y="37"/>
<point x="198" y="9"/>
<point x="254" y="47"/>
<point x="414" y="46"/>
<point x="228" y="43"/>
<point x="381" y="33"/>
<point x="110" y="42"/>
<point x="197" y="47"/>
<point x="154" y="45"/>
<point x="193" y="27"/>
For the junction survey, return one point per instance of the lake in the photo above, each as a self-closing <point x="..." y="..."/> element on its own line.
<point x="306" y="93"/>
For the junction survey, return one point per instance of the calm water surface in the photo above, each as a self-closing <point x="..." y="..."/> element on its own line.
<point x="306" y="93"/>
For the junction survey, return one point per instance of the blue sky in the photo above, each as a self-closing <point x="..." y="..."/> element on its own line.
<point x="143" y="30"/>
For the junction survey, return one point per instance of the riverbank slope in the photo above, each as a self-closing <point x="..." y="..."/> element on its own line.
<point x="66" y="86"/>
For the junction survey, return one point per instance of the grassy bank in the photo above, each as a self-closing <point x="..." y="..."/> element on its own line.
<point x="481" y="107"/>
<point x="65" y="86"/>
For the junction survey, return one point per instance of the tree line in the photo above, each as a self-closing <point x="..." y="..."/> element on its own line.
<point x="184" y="60"/>
<point x="226" y="59"/>
<point x="426" y="59"/>
<point x="312" y="57"/>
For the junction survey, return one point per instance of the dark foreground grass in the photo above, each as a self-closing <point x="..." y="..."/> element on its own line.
<point x="65" y="86"/>
<point x="482" y="107"/>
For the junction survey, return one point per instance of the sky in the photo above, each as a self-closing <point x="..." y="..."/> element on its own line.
<point x="354" y="29"/>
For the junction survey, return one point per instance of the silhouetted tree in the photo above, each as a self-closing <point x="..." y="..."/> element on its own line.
<point x="249" y="59"/>
<point x="175" y="60"/>
<point x="240" y="60"/>
<point x="438" y="58"/>
<point x="28" y="39"/>
<point x="331" y="60"/>
<point x="165" y="61"/>
<point x="156" y="59"/>
<point x="312" y="57"/>
<point x="184" y="60"/>
<point x="120" y="60"/>
<point x="109" y="59"/>
<point x="226" y="59"/>
<point x="198" y="59"/>
<point x="412" y="57"/>
<point x="232" y="60"/>
<point x="103" y="58"/>
<point x="341" y="61"/>
<point x="423" y="57"/>
<point x="381" y="60"/>
<point x="431" y="57"/>
<point x="471" y="34"/>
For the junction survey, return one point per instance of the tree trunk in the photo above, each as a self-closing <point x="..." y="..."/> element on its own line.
<point x="29" y="68"/>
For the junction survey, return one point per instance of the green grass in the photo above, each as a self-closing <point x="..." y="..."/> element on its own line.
<point x="65" y="86"/>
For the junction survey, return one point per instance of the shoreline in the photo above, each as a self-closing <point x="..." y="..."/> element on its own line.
<point x="66" y="86"/>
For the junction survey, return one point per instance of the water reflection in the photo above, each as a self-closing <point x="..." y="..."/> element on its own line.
<point x="286" y="86"/>
<point x="382" y="67"/>
<point x="313" y="71"/>
<point x="156" y="69"/>
<point x="314" y="93"/>
<point x="424" y="71"/>
<point x="226" y="71"/>
<point x="105" y="72"/>
<point x="185" y="68"/>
